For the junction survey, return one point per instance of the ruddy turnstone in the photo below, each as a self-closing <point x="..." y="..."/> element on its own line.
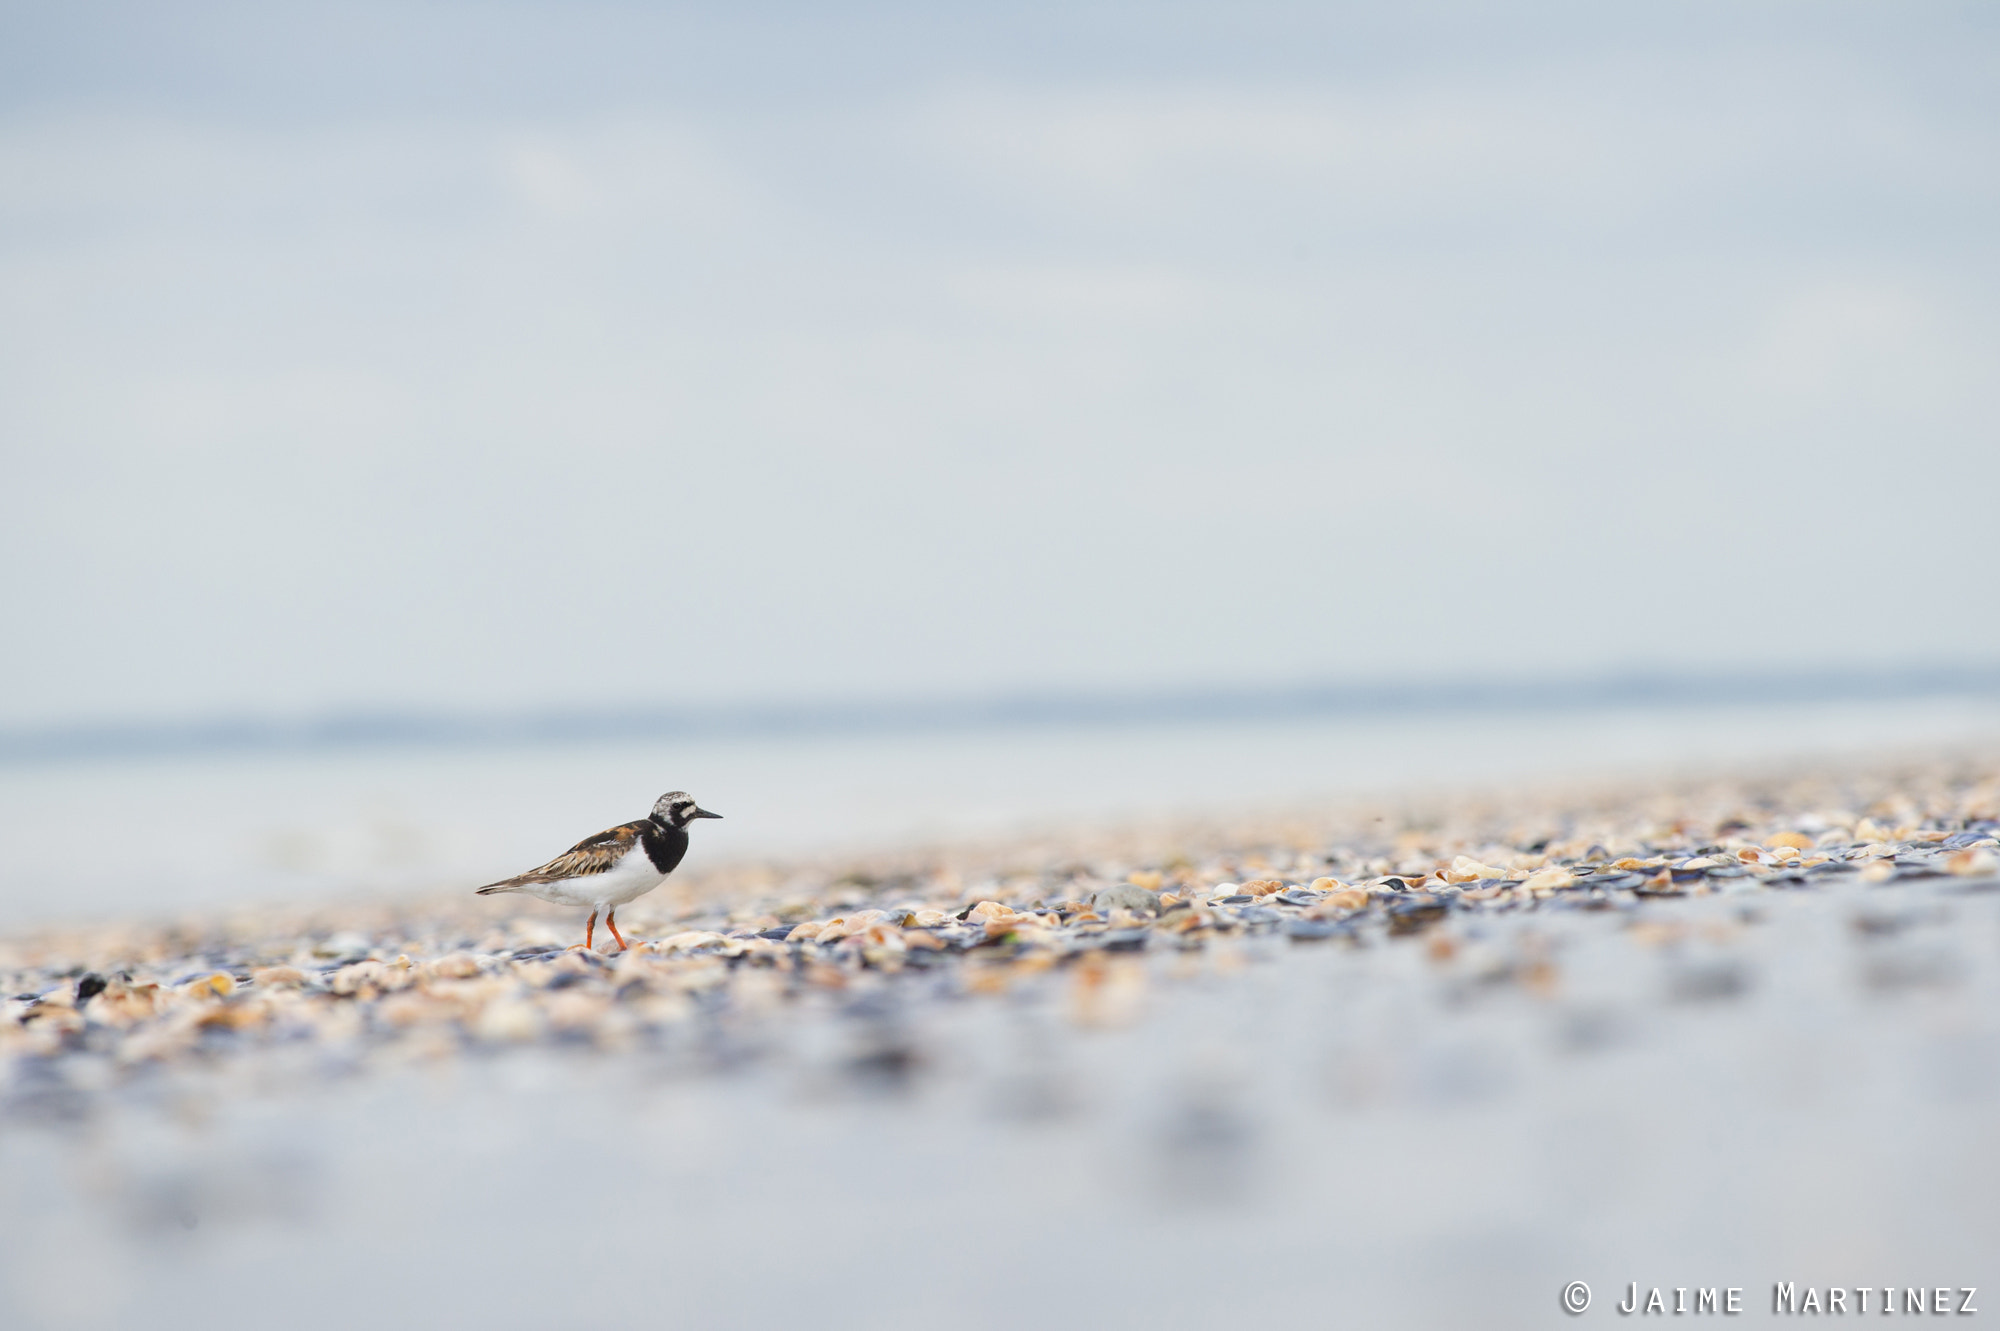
<point x="605" y="871"/>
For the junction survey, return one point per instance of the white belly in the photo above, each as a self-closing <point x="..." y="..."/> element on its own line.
<point x="633" y="876"/>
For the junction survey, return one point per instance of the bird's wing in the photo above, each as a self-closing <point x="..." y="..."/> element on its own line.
<point x="593" y="854"/>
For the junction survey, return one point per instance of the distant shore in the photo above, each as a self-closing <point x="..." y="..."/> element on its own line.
<point x="408" y="728"/>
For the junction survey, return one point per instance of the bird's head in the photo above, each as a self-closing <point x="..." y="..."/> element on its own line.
<point x="677" y="808"/>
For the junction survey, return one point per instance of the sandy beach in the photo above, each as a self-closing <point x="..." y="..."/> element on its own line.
<point x="1429" y="1063"/>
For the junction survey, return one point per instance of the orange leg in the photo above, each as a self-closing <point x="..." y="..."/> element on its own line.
<point x="590" y="932"/>
<point x="611" y="923"/>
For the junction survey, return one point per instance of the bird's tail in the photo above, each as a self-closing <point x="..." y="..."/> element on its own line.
<point x="505" y="885"/>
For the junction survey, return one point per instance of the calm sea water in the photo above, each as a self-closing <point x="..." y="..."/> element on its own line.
<point x="90" y="839"/>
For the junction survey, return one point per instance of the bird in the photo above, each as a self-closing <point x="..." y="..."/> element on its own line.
<point x="605" y="871"/>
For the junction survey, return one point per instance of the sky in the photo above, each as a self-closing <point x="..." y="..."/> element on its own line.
<point x="493" y="356"/>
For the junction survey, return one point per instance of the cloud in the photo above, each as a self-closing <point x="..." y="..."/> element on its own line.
<point x="966" y="379"/>
<point x="1841" y="341"/>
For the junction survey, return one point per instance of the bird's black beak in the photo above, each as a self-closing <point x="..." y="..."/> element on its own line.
<point x="703" y="813"/>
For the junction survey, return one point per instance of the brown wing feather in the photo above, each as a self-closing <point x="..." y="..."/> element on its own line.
<point x="594" y="854"/>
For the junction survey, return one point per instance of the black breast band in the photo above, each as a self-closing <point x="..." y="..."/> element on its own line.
<point x="664" y="845"/>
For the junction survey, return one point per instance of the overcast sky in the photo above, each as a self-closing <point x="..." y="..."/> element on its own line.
<point x="492" y="356"/>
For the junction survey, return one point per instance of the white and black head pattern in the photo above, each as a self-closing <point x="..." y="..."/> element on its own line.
<point x="677" y="808"/>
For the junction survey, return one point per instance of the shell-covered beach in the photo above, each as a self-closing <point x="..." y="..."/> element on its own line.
<point x="1737" y="1027"/>
<point x="449" y="976"/>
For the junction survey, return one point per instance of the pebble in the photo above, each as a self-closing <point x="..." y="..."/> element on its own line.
<point x="1125" y="896"/>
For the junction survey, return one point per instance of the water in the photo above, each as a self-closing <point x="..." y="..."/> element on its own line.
<point x="158" y="836"/>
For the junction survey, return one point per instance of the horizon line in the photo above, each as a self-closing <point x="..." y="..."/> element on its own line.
<point x="356" y="728"/>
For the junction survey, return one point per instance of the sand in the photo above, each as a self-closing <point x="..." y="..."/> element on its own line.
<point x="1422" y="1065"/>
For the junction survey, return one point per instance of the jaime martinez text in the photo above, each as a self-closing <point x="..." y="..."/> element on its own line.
<point x="1786" y="1297"/>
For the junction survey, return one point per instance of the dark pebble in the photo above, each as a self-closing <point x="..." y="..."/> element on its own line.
<point x="891" y="1065"/>
<point x="1415" y="913"/>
